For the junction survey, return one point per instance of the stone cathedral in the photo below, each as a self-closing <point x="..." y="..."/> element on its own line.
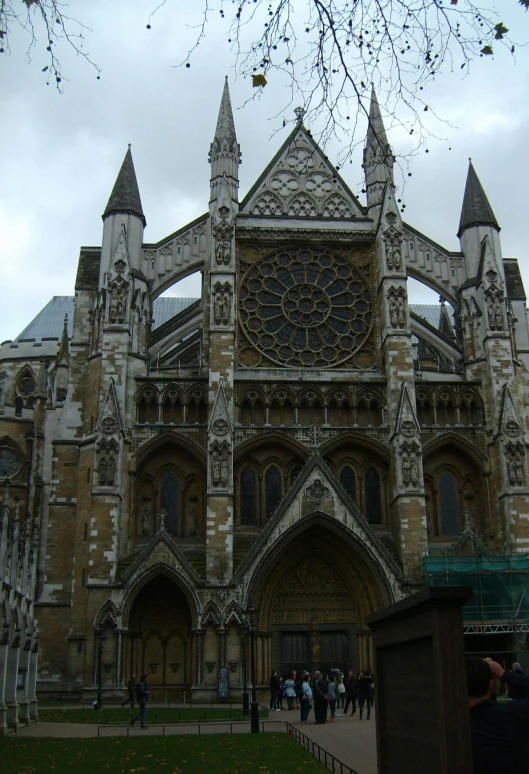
<point x="300" y="436"/>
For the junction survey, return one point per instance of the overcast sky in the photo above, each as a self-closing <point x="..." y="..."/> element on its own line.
<point x="60" y="153"/>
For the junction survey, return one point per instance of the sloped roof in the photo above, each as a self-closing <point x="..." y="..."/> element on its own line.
<point x="48" y="324"/>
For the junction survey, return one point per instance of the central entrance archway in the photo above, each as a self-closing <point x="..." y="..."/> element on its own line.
<point x="160" y="625"/>
<point x="313" y="591"/>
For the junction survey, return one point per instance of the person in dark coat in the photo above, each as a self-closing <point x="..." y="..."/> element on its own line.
<point x="499" y="732"/>
<point x="274" y="691"/>
<point x="351" y="692"/>
<point x="142" y="694"/>
<point x="365" y="693"/>
<point x="320" y="695"/>
<point x="131" y="685"/>
<point x="518" y="691"/>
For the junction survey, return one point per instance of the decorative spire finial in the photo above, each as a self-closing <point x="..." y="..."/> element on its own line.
<point x="300" y="114"/>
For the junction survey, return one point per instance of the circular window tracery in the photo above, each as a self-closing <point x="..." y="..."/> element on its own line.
<point x="305" y="307"/>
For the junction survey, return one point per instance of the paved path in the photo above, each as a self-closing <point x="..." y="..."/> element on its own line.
<point x="349" y="739"/>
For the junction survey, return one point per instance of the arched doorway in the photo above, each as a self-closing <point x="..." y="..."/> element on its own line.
<point x="313" y="592"/>
<point x="159" y="641"/>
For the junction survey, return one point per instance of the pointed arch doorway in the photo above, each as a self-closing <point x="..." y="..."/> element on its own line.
<point x="160" y="637"/>
<point x="314" y="591"/>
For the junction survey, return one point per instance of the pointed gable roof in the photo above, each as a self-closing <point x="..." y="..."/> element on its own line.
<point x="125" y="196"/>
<point x="299" y="182"/>
<point x="476" y="210"/>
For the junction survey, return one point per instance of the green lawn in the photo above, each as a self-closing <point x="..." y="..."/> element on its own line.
<point x="154" y="715"/>
<point x="237" y="754"/>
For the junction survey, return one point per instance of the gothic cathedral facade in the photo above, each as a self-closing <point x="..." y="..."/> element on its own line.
<point x="299" y="437"/>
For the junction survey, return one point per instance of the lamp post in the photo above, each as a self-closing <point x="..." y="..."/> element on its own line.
<point x="254" y="712"/>
<point x="101" y="637"/>
<point x="245" y="694"/>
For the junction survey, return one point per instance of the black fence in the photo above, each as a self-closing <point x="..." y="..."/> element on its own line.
<point x="318" y="752"/>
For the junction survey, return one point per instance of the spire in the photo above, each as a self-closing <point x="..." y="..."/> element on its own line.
<point x="476" y="210"/>
<point x="225" y="125"/>
<point x="125" y="196"/>
<point x="64" y="347"/>
<point x="225" y="152"/>
<point x="375" y="130"/>
<point x="378" y="157"/>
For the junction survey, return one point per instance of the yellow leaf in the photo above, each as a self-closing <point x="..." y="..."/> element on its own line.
<point x="258" y="80"/>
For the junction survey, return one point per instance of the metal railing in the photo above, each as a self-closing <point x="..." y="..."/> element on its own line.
<point x="124" y="730"/>
<point x="328" y="760"/>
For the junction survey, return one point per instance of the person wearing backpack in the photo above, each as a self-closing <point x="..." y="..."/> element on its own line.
<point x="142" y="694"/>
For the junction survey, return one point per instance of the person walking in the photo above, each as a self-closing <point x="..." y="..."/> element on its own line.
<point x="351" y="689"/>
<point x="281" y="693"/>
<point x="131" y="685"/>
<point x="365" y="693"/>
<point x="274" y="691"/>
<point x="306" y="698"/>
<point x="321" y="696"/>
<point x="290" y="691"/>
<point x="142" y="695"/>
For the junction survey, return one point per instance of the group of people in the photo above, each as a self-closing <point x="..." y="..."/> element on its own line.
<point x="327" y="692"/>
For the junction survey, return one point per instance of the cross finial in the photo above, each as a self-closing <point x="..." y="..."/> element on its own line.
<point x="300" y="114"/>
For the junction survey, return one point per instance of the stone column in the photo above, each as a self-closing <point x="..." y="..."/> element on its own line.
<point x="199" y="648"/>
<point x="32" y="681"/>
<point x="4" y="653"/>
<point x="22" y="693"/>
<point x="10" y="695"/>
<point x="221" y="634"/>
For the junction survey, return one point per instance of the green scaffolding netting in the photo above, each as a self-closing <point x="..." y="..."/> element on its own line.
<point x="500" y="584"/>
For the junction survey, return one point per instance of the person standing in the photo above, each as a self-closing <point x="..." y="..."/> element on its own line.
<point x="517" y="691"/>
<point x="306" y="698"/>
<point x="142" y="695"/>
<point x="351" y="689"/>
<point x="131" y="685"/>
<point x="321" y="696"/>
<point x="290" y="691"/>
<point x="274" y="691"/>
<point x="281" y="693"/>
<point x="341" y="691"/>
<point x="332" y="689"/>
<point x="365" y="693"/>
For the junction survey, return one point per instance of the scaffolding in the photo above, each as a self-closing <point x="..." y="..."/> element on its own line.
<point x="500" y="603"/>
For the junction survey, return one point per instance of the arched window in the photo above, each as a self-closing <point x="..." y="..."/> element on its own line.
<point x="373" y="499"/>
<point x="248" y="499"/>
<point x="19" y="405"/>
<point x="448" y="505"/>
<point x="169" y="492"/>
<point x="272" y="490"/>
<point x="348" y="481"/>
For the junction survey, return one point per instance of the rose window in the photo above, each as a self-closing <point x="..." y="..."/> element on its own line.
<point x="305" y="307"/>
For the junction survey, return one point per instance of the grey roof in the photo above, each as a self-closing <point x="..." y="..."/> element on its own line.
<point x="48" y="324"/>
<point x="125" y="196"/>
<point x="513" y="280"/>
<point x="476" y="209"/>
<point x="430" y="312"/>
<point x="88" y="268"/>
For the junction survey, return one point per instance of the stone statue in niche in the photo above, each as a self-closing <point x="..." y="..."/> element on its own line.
<point x="113" y="310"/>
<point x="226" y="304"/>
<point x="192" y="520"/>
<point x="495" y="312"/>
<point x="518" y="470"/>
<point x="215" y="468"/>
<point x="146" y="520"/>
<point x="121" y="308"/>
<point x="102" y="470"/>
<point x="223" y="247"/>
<point x="117" y="306"/>
<point x="217" y="306"/>
<point x="401" y="316"/>
<point x="406" y="471"/>
<point x="393" y="254"/>
<point x="511" y="472"/>
<point x="414" y="471"/>
<point x="224" y="468"/>
<point x="111" y="469"/>
<point x="393" y="313"/>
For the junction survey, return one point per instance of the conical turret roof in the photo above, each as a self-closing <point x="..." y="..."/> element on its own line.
<point x="225" y="124"/>
<point x="125" y="196"/>
<point x="476" y="210"/>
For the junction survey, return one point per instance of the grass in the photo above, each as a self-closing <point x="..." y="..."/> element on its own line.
<point x="154" y="715"/>
<point x="268" y="753"/>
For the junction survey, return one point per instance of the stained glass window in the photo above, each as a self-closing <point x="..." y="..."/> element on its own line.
<point x="348" y="481"/>
<point x="273" y="490"/>
<point x="373" y="498"/>
<point x="248" y="499"/>
<point x="448" y="506"/>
